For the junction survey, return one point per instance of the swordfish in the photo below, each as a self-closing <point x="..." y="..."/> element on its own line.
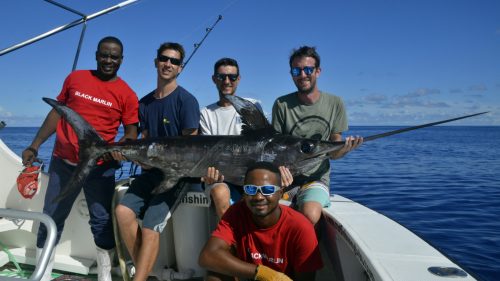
<point x="185" y="157"/>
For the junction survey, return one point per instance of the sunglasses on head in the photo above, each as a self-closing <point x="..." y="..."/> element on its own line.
<point x="296" y="71"/>
<point x="173" y="61"/>
<point x="222" y="77"/>
<point x="105" y="56"/>
<point x="265" y="190"/>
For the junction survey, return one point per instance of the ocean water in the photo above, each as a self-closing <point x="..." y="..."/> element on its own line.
<point x="443" y="183"/>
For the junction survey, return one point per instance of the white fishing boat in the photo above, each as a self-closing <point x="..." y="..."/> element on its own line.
<point x="356" y="242"/>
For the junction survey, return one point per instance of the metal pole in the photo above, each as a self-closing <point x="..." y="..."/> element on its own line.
<point x="65" y="7"/>
<point x="77" y="55"/>
<point x="66" y="26"/>
<point x="50" y="242"/>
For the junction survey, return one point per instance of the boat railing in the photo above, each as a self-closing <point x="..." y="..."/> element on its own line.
<point x="49" y="245"/>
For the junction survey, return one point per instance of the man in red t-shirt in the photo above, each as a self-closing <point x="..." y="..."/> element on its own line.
<point x="260" y="239"/>
<point x="105" y="101"/>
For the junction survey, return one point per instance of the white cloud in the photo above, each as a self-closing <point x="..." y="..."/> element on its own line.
<point x="375" y="98"/>
<point x="477" y="88"/>
<point x="422" y="92"/>
<point x="4" y="113"/>
<point x="404" y="101"/>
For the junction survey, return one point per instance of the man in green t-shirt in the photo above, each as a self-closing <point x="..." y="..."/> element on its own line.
<point x="310" y="113"/>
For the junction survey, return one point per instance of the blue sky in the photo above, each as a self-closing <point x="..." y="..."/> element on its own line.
<point x="393" y="62"/>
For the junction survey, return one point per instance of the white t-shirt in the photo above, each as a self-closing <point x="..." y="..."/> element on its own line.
<point x="218" y="120"/>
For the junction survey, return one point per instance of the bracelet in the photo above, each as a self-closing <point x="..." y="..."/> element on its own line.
<point x="35" y="152"/>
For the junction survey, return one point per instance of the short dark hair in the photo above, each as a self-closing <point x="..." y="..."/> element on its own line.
<point x="305" y="51"/>
<point x="171" y="46"/>
<point x="224" y="62"/>
<point x="264" y="166"/>
<point x="110" y="39"/>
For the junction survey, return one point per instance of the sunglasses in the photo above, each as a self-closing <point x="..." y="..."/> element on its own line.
<point x="296" y="71"/>
<point x="222" y="77"/>
<point x="106" y="56"/>
<point x="173" y="61"/>
<point x="265" y="190"/>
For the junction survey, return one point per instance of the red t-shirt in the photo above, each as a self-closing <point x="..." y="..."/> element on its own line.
<point x="103" y="104"/>
<point x="289" y="246"/>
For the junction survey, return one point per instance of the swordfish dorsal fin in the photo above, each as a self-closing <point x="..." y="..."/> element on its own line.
<point x="253" y="119"/>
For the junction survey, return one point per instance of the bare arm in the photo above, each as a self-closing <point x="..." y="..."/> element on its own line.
<point x="187" y="132"/>
<point x="130" y="132"/>
<point x="216" y="256"/>
<point x="48" y="128"/>
<point x="351" y="143"/>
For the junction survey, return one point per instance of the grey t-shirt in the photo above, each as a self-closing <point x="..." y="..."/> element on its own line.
<point x="316" y="121"/>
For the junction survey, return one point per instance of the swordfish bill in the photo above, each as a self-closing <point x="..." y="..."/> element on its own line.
<point x="188" y="157"/>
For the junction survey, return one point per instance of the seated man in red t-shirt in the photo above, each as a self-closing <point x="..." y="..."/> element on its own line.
<point x="260" y="239"/>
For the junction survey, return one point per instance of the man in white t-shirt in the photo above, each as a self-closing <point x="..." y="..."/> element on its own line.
<point x="220" y="118"/>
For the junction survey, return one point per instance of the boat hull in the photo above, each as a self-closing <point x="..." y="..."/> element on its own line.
<point x="356" y="243"/>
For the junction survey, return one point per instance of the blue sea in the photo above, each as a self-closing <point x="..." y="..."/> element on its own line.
<point x="443" y="183"/>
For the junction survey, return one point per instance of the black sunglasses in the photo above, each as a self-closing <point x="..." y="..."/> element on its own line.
<point x="173" y="61"/>
<point x="296" y="71"/>
<point x="222" y="77"/>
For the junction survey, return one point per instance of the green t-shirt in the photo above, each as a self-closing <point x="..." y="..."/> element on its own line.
<point x="316" y="121"/>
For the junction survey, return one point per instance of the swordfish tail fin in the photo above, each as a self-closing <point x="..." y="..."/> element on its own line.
<point x="83" y="130"/>
<point x="390" y="133"/>
<point x="88" y="141"/>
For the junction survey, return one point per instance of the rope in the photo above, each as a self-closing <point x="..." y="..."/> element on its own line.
<point x="20" y="271"/>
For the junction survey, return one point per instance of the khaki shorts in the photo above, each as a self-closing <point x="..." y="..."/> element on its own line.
<point x="315" y="191"/>
<point x="234" y="190"/>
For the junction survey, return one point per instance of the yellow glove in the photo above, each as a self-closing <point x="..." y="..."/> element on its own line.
<point x="265" y="273"/>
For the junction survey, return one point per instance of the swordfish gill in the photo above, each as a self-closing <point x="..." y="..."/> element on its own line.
<point x="185" y="157"/>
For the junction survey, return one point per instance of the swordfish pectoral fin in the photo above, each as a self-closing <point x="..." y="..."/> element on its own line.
<point x="182" y="188"/>
<point x="177" y="189"/>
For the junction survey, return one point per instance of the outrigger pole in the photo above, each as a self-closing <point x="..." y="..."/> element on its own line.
<point x="198" y="45"/>
<point x="83" y="20"/>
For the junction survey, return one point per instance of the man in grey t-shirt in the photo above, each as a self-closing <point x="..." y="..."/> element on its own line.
<point x="310" y="113"/>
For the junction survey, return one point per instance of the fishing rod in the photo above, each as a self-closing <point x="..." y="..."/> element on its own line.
<point x="198" y="45"/>
<point x="133" y="167"/>
<point x="83" y="20"/>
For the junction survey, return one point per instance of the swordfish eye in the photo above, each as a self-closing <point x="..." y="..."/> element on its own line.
<point x="307" y="147"/>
